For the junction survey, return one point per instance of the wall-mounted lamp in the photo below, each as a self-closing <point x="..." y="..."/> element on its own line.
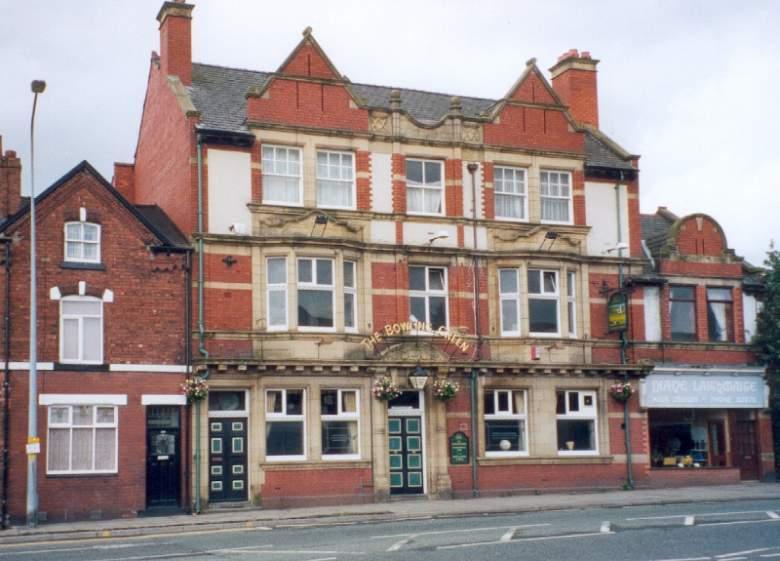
<point x="418" y="377"/>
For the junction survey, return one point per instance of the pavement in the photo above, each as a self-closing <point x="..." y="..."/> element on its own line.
<point x="257" y="518"/>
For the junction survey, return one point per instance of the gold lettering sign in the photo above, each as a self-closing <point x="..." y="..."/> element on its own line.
<point x="414" y="328"/>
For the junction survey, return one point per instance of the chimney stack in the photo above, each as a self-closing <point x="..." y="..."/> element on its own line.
<point x="124" y="180"/>
<point x="10" y="182"/>
<point x="574" y="80"/>
<point x="176" y="40"/>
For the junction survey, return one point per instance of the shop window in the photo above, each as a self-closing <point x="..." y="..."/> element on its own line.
<point x="276" y="300"/>
<point x="505" y="423"/>
<point x="282" y="177"/>
<point x="315" y="293"/>
<point x="350" y="296"/>
<point x="428" y="295"/>
<point x="82" y="242"/>
<point x="81" y="330"/>
<point x="571" y="302"/>
<point x="82" y="439"/>
<point x="424" y="187"/>
<point x="510" y="193"/>
<point x="720" y="320"/>
<point x="285" y="425"/>
<point x="509" y="290"/>
<point x="576" y="416"/>
<point x="682" y="312"/>
<point x="335" y="179"/>
<point x="340" y="424"/>
<point x="555" y="191"/>
<point x="543" y="296"/>
<point x="230" y="401"/>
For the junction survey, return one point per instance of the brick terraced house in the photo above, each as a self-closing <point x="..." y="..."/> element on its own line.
<point x="112" y="287"/>
<point x="354" y="234"/>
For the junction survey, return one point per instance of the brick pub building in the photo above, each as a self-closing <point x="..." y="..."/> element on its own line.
<point x="112" y="320"/>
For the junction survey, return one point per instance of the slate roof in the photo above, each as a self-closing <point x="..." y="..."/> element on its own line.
<point x="219" y="94"/>
<point x="655" y="231"/>
<point x="157" y="218"/>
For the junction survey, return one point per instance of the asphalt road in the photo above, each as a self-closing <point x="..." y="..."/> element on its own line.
<point x="727" y="531"/>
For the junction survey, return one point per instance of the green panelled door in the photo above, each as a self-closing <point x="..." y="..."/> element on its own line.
<point x="406" y="460"/>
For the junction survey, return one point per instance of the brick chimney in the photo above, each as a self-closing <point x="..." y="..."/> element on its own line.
<point x="10" y="182"/>
<point x="124" y="180"/>
<point x="176" y="40"/>
<point x="574" y="80"/>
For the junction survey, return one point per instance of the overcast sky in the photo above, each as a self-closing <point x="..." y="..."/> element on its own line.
<point x="691" y="86"/>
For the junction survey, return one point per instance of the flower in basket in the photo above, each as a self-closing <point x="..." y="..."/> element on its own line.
<point x="444" y="389"/>
<point x="196" y="389"/>
<point x="621" y="391"/>
<point x="385" y="389"/>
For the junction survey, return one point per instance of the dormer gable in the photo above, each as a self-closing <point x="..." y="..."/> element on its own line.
<point x="308" y="60"/>
<point x="532" y="87"/>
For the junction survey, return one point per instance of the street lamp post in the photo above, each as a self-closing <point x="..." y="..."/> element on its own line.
<point x="33" y="442"/>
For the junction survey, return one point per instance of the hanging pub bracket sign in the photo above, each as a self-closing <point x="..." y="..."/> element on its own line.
<point x="459" y="449"/>
<point x="617" y="312"/>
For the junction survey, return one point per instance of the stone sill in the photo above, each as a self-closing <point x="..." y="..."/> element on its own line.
<point x="546" y="460"/>
<point x="314" y="464"/>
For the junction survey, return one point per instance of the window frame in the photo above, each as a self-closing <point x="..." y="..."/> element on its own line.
<point x="276" y="287"/>
<point x="571" y="303"/>
<point x="265" y="173"/>
<point x="80" y="318"/>
<point x="315" y="286"/>
<point x="351" y="290"/>
<point x="729" y="312"/>
<point x="544" y="295"/>
<point x="94" y="426"/>
<point x="284" y="417"/>
<point x="510" y="415"/>
<point x="352" y="181"/>
<point x="342" y="416"/>
<point x="695" y="335"/>
<point x="570" y="198"/>
<point x="579" y="416"/>
<point x="428" y="292"/>
<point x="82" y="242"/>
<point x="510" y="296"/>
<point x="523" y="196"/>
<point x="425" y="186"/>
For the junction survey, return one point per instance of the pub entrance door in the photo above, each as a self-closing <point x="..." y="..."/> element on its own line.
<point x="406" y="443"/>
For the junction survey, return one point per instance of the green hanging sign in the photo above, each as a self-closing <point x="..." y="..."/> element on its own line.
<point x="617" y="312"/>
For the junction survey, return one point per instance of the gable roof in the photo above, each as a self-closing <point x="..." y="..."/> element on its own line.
<point x="168" y="234"/>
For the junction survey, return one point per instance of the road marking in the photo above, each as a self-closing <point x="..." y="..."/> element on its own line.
<point x="772" y="514"/>
<point x="98" y="547"/>
<point x="746" y="552"/>
<point x="324" y="559"/>
<point x="688" y="559"/>
<point x="152" y="556"/>
<point x="539" y="538"/>
<point x="738" y="522"/>
<point x="509" y="534"/>
<point x="689" y="521"/>
<point x="439" y="532"/>
<point x="770" y="555"/>
<point x="606" y="527"/>
<point x="398" y="545"/>
<point x="700" y="514"/>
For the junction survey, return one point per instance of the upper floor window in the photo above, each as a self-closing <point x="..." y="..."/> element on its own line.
<point x="350" y="296"/>
<point x="81" y="330"/>
<point x="335" y="179"/>
<point x="510" y="194"/>
<point x="555" y="192"/>
<point x="315" y="293"/>
<point x="682" y="312"/>
<point x="340" y="420"/>
<point x="720" y="320"/>
<point x="82" y="242"/>
<point x="428" y="295"/>
<point x="509" y="290"/>
<point x="82" y="439"/>
<point x="543" y="296"/>
<point x="506" y="431"/>
<point x="571" y="302"/>
<point x="285" y="419"/>
<point x="424" y="187"/>
<point x="276" y="301"/>
<point x="576" y="415"/>
<point x="282" y="183"/>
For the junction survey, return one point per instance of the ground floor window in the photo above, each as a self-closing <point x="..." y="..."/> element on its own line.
<point x="285" y="430"/>
<point x="576" y="416"/>
<point x="82" y="439"/>
<point x="340" y="420"/>
<point x="505" y="423"/>
<point x="687" y="437"/>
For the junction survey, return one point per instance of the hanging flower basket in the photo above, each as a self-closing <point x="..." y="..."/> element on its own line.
<point x="444" y="389"/>
<point x="621" y="391"/>
<point x="384" y="389"/>
<point x="196" y="389"/>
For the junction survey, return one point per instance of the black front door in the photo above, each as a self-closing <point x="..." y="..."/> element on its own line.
<point x="162" y="460"/>
<point x="406" y="455"/>
<point x="227" y="459"/>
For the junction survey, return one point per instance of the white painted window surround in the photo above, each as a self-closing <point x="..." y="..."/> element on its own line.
<point x="82" y="439"/>
<point x="601" y="211"/>
<point x="229" y="191"/>
<point x="652" y="313"/>
<point x="382" y="183"/>
<point x="751" y="307"/>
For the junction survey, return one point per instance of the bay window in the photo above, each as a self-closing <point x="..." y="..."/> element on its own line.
<point x="543" y="305"/>
<point x="335" y="179"/>
<point x="506" y="431"/>
<point x="556" y="196"/>
<point x="576" y="416"/>
<point x="315" y="293"/>
<point x="282" y="177"/>
<point x="82" y="439"/>
<point x="339" y="412"/>
<point x="285" y="420"/>
<point x="424" y="187"/>
<point x="510" y="193"/>
<point x="428" y="295"/>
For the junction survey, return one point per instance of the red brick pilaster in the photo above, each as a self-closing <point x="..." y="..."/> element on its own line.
<point x="488" y="203"/>
<point x="666" y="320"/>
<point x="399" y="233"/>
<point x="257" y="174"/>
<point x="738" y="314"/>
<point x="399" y="183"/>
<point x="363" y="180"/>
<point x="634" y="224"/>
<point x="578" y="199"/>
<point x="701" y="313"/>
<point x="453" y="181"/>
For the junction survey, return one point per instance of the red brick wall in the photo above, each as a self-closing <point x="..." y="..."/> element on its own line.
<point x="453" y="174"/>
<point x="307" y="61"/>
<point x="488" y="201"/>
<point x="363" y="184"/>
<point x="325" y="485"/>
<point x="124" y="180"/>
<point x="399" y="184"/>
<point x="176" y="48"/>
<point x="533" y="127"/>
<point x="700" y="235"/>
<point x="578" y="199"/>
<point x="10" y="182"/>
<point x="579" y="90"/>
<point x="533" y="90"/>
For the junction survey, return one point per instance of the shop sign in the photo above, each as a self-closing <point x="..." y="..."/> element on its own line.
<point x="459" y="449"/>
<point x="617" y="312"/>
<point x="714" y="391"/>
<point x="414" y="328"/>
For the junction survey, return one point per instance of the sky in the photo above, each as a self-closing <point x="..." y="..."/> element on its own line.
<point x="690" y="86"/>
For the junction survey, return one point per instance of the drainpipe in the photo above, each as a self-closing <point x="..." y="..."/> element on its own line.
<point x="187" y="363"/>
<point x="624" y="341"/>
<point x="201" y="327"/>
<point x="6" y="377"/>
<point x="472" y="169"/>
